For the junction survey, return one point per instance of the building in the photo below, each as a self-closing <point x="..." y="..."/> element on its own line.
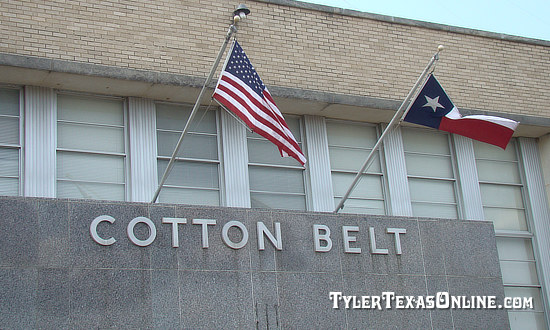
<point x="93" y="96"/>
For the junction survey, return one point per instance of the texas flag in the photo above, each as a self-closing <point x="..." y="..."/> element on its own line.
<point x="433" y="108"/>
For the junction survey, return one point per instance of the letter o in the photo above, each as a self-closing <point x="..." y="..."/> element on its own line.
<point x="225" y="235"/>
<point x="442" y="300"/>
<point x="152" y="231"/>
<point x="93" y="230"/>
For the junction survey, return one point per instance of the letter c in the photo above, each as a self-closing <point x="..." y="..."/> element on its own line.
<point x="93" y="230"/>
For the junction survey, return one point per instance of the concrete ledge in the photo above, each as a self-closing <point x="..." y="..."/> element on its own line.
<point x="178" y="80"/>
<point x="88" y="69"/>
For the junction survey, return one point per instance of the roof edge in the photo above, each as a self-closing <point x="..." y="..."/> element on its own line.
<point x="407" y="21"/>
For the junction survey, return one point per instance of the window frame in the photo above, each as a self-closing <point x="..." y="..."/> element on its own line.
<point x="21" y="143"/>
<point x="219" y="161"/>
<point x="382" y="175"/>
<point x="519" y="234"/>
<point x="124" y="155"/>
<point x="305" y="173"/>
<point x="454" y="168"/>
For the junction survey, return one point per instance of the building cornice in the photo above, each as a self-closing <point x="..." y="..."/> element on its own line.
<point x="80" y="69"/>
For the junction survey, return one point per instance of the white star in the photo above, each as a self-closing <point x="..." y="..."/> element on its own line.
<point x="433" y="103"/>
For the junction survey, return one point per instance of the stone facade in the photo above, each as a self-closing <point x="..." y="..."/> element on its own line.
<point x="53" y="274"/>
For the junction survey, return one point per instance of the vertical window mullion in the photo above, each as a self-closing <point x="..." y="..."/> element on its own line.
<point x="235" y="161"/>
<point x="470" y="194"/>
<point x="398" y="188"/>
<point x="142" y="149"/>
<point x="40" y="137"/>
<point x="318" y="168"/>
<point x="456" y="186"/>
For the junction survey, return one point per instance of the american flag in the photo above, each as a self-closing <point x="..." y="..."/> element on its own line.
<point x="241" y="90"/>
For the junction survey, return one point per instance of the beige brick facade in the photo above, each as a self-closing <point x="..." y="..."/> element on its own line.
<point x="291" y="46"/>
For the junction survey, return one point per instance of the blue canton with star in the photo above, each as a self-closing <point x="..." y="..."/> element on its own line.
<point x="431" y="104"/>
<point x="239" y="65"/>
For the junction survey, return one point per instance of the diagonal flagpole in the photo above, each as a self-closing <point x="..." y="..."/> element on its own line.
<point x="240" y="13"/>
<point x="395" y="121"/>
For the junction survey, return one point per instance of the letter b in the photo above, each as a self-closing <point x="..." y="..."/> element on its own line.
<point x="318" y="237"/>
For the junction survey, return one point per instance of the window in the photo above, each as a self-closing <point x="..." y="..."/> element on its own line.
<point x="10" y="142"/>
<point x="430" y="173"/>
<point x="502" y="198"/>
<point x="91" y="148"/>
<point x="275" y="181"/>
<point x="349" y="145"/>
<point x="194" y="178"/>
<point x="500" y="185"/>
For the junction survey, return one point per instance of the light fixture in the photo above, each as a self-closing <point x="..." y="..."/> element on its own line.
<point x="240" y="13"/>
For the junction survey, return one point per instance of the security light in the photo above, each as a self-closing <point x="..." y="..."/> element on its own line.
<point x="240" y="13"/>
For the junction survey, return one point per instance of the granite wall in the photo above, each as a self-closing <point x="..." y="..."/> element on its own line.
<point x="54" y="275"/>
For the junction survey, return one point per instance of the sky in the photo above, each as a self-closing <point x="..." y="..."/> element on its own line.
<point x="527" y="18"/>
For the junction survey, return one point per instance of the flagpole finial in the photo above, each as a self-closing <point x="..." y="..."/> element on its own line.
<point x="440" y="48"/>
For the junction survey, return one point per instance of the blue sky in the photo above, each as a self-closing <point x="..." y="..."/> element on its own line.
<point x="527" y="18"/>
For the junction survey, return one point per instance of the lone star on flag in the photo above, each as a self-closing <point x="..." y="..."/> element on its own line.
<point x="446" y="117"/>
<point x="433" y="103"/>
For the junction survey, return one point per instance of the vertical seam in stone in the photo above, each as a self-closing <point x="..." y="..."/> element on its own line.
<point x="424" y="267"/>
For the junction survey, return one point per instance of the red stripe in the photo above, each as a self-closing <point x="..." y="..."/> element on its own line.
<point x="257" y="129"/>
<point x="237" y="84"/>
<point x="278" y="116"/>
<point x="252" y="112"/>
<point x="267" y="95"/>
<point x="258" y="107"/>
<point x="477" y="129"/>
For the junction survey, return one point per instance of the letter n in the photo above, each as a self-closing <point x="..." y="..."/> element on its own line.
<point x="263" y="231"/>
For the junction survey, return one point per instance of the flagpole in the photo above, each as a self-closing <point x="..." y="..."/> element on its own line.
<point x="239" y="13"/>
<point x="395" y="121"/>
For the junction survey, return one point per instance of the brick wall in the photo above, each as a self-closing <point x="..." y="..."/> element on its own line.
<point x="290" y="47"/>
